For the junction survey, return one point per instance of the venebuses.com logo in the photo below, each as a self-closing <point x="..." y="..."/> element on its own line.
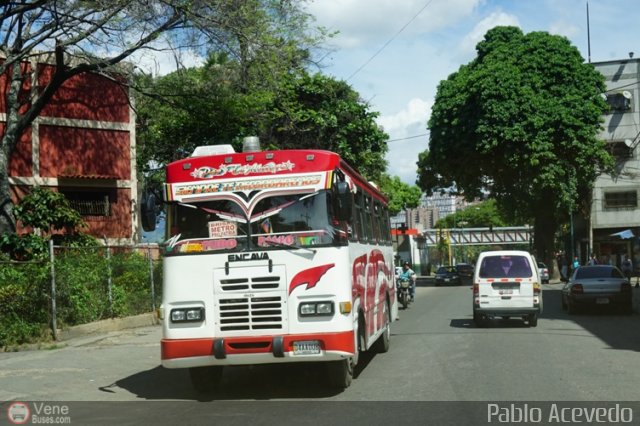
<point x="18" y="413"/>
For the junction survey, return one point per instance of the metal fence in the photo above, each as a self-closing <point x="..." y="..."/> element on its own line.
<point x="78" y="285"/>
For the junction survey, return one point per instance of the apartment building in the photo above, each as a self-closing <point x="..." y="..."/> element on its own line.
<point x="613" y="230"/>
<point x="83" y="145"/>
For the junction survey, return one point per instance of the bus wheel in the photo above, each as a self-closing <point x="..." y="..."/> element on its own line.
<point x="340" y="373"/>
<point x="205" y="379"/>
<point x="382" y="344"/>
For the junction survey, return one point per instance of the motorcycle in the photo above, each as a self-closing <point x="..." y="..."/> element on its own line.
<point x="404" y="296"/>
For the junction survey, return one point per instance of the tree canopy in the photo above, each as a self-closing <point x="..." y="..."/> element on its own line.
<point x="481" y="215"/>
<point x="401" y="196"/>
<point x="204" y="105"/>
<point x="520" y="121"/>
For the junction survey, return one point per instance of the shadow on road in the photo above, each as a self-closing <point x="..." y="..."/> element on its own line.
<point x="495" y="323"/>
<point x="616" y="330"/>
<point x="258" y="382"/>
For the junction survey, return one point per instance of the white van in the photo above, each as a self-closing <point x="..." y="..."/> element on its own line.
<point x="506" y="283"/>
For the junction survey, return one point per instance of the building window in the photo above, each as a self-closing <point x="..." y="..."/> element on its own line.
<point x="620" y="200"/>
<point x="89" y="202"/>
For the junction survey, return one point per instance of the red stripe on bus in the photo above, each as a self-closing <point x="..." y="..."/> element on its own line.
<point x="185" y="348"/>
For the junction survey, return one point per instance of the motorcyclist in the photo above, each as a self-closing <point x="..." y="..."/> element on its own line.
<point x="408" y="274"/>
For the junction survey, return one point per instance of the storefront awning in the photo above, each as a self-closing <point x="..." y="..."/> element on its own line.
<point x="625" y="235"/>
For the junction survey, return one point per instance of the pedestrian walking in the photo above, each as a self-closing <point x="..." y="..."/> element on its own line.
<point x="627" y="268"/>
<point x="576" y="263"/>
<point x="564" y="268"/>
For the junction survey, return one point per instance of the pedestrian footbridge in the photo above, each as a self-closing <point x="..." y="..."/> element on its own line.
<point x="480" y="236"/>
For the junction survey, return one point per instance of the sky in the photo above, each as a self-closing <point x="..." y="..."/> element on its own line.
<point x="394" y="53"/>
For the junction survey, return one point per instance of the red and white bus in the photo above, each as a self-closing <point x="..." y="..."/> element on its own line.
<point x="273" y="256"/>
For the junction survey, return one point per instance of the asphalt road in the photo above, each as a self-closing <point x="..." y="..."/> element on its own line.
<point x="436" y="355"/>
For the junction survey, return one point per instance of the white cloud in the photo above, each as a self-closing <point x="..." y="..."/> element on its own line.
<point x="407" y="131"/>
<point x="417" y="111"/>
<point x="564" y="28"/>
<point x="364" y="21"/>
<point x="161" y="60"/>
<point x="469" y="42"/>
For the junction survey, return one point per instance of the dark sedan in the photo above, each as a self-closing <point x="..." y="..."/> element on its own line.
<point x="447" y="275"/>
<point x="597" y="285"/>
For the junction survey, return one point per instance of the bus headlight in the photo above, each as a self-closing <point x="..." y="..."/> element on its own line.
<point x="324" y="308"/>
<point x="309" y="309"/>
<point x="187" y="315"/>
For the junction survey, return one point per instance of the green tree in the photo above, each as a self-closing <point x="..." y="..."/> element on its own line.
<point x="400" y="194"/>
<point x="481" y="215"/>
<point x="301" y="111"/>
<point x="187" y="108"/>
<point x="322" y="112"/>
<point x="45" y="211"/>
<point x="520" y="121"/>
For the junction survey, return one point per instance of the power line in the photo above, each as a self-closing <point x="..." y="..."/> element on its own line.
<point x="389" y="41"/>
<point x="408" y="137"/>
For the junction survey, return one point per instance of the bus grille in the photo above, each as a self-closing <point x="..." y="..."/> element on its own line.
<point x="255" y="283"/>
<point x="253" y="313"/>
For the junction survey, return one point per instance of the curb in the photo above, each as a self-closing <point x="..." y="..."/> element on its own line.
<point x="108" y="325"/>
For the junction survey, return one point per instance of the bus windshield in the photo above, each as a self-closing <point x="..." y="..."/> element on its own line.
<point x="279" y="222"/>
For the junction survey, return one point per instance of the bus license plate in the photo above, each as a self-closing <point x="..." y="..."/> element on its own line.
<point x="602" y="300"/>
<point x="306" y="347"/>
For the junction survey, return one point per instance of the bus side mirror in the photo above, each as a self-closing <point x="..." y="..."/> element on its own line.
<point x="148" y="212"/>
<point x="343" y="201"/>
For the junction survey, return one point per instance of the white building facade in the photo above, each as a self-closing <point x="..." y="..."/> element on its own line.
<point x="614" y="227"/>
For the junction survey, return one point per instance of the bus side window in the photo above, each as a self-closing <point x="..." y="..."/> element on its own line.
<point x="377" y="222"/>
<point x="368" y="216"/>
<point x="357" y="213"/>
<point x="387" y="226"/>
<point x="347" y="224"/>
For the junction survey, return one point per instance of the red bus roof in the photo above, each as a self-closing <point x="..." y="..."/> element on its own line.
<point x="261" y="163"/>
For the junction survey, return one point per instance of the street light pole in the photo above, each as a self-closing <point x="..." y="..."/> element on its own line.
<point x="571" y="225"/>
<point x="455" y="226"/>
<point x="461" y="239"/>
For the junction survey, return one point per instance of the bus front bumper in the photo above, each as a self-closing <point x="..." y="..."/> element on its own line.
<point x="183" y="353"/>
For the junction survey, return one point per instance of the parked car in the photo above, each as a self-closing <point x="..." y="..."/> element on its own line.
<point x="447" y="275"/>
<point x="506" y="283"/>
<point x="597" y="285"/>
<point x="465" y="271"/>
<point x="544" y="272"/>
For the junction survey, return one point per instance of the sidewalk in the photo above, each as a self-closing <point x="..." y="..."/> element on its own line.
<point x="108" y="325"/>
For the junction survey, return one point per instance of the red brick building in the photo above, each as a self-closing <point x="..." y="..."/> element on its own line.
<point x="83" y="145"/>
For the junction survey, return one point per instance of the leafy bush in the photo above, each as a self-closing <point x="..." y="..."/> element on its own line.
<point x="24" y="303"/>
<point x="81" y="287"/>
<point x="82" y="291"/>
<point x="82" y="271"/>
<point x="131" y="278"/>
<point x="23" y="247"/>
